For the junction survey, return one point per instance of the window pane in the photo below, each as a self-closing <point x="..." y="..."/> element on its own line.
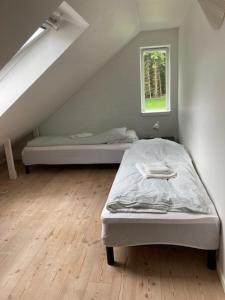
<point x="14" y="60"/>
<point x="34" y="36"/>
<point x="154" y="74"/>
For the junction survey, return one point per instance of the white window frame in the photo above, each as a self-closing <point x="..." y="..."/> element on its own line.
<point x="145" y="112"/>
<point x="21" y="52"/>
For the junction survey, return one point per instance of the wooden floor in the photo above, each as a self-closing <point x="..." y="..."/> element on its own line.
<point x="50" y="246"/>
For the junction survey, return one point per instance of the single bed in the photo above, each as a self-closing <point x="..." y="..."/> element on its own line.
<point x="109" y="149"/>
<point x="190" y="229"/>
<point x="74" y="154"/>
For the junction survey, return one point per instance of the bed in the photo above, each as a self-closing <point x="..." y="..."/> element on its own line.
<point x="104" y="148"/>
<point x="127" y="227"/>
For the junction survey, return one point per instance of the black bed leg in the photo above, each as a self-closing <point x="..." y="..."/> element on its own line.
<point x="211" y="260"/>
<point x="27" y="169"/>
<point x="110" y="256"/>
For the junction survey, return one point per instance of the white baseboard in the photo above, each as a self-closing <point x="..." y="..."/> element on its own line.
<point x="221" y="277"/>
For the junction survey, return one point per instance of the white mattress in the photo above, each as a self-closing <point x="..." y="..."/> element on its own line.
<point x="185" y="229"/>
<point x="192" y="230"/>
<point x="74" y="154"/>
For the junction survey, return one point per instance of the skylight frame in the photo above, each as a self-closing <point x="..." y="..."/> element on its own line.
<point x="19" y="54"/>
<point x="35" y="36"/>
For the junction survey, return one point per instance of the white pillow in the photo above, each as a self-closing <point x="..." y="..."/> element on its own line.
<point x="131" y="137"/>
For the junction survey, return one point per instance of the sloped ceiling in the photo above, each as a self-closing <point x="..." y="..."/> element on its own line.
<point x="112" y="25"/>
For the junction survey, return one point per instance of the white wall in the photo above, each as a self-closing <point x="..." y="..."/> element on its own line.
<point x="112" y="97"/>
<point x="202" y="105"/>
<point x="162" y="14"/>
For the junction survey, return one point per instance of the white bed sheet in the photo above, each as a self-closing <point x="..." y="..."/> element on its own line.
<point x="74" y="154"/>
<point x="186" y="229"/>
<point x="133" y="193"/>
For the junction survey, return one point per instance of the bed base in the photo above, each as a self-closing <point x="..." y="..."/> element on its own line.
<point x="211" y="258"/>
<point x="27" y="169"/>
<point x="110" y="256"/>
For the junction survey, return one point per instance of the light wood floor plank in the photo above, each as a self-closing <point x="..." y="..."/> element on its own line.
<point x="50" y="245"/>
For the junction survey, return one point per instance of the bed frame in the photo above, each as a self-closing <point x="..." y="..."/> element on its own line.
<point x="27" y="169"/>
<point x="211" y="258"/>
<point x="178" y="229"/>
<point x="128" y="229"/>
<point x="73" y="155"/>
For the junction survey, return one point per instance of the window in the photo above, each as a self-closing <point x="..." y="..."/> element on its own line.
<point x="155" y="79"/>
<point x="34" y="37"/>
<point x="15" y="59"/>
<point x="39" y="52"/>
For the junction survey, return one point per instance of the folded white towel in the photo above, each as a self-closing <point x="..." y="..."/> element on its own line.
<point x="148" y="174"/>
<point x="156" y="168"/>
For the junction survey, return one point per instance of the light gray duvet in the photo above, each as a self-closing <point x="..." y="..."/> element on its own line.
<point x="115" y="135"/>
<point x="132" y="193"/>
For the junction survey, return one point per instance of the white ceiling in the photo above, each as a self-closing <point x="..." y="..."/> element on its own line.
<point x="112" y="25"/>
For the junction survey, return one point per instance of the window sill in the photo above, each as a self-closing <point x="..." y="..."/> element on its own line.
<point x="157" y="113"/>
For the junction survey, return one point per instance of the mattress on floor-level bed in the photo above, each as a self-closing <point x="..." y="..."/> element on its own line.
<point x="74" y="154"/>
<point x="198" y="230"/>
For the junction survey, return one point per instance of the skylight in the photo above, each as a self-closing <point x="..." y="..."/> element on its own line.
<point x="34" y="36"/>
<point x="39" y="52"/>
<point x="15" y="59"/>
